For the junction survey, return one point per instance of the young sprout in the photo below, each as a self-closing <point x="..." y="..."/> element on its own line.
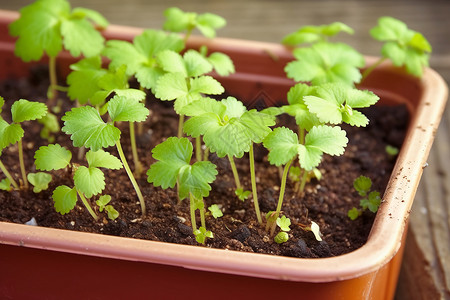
<point x="102" y="203"/>
<point x="371" y="200"/>
<point x="185" y="81"/>
<point x="222" y="63"/>
<point x="22" y="110"/>
<point x="314" y="34"/>
<point x="88" y="181"/>
<point x="229" y="129"/>
<point x="283" y="235"/>
<point x="216" y="212"/>
<point x="403" y="46"/>
<point x="180" y="21"/>
<point x="39" y="180"/>
<point x="140" y="55"/>
<point x="48" y="26"/>
<point x="283" y="145"/>
<point x="88" y="129"/>
<point x="173" y="167"/>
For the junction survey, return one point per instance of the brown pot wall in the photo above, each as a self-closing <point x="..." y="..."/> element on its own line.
<point x="59" y="264"/>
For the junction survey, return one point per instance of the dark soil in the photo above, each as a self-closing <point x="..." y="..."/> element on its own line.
<point x="326" y="201"/>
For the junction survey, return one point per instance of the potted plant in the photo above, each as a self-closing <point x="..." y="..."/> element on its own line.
<point x="86" y="265"/>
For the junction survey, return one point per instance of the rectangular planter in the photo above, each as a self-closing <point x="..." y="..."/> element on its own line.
<point x="44" y="263"/>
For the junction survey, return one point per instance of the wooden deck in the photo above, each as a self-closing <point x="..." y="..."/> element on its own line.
<point x="426" y="268"/>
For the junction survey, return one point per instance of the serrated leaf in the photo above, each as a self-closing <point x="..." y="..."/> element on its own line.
<point x="215" y="211"/>
<point x="92" y="15"/>
<point x="86" y="128"/>
<point x="330" y="140"/>
<point x="171" y="86"/>
<point x="311" y="34"/>
<point x="206" y="85"/>
<point x="9" y="134"/>
<point x="284" y="223"/>
<point x="80" y="38"/>
<point x="353" y="213"/>
<point x="65" y="199"/>
<point x="282" y="144"/>
<point x="103" y="159"/>
<point x="362" y="185"/>
<point x="5" y="185"/>
<point x="177" y="20"/>
<point x="39" y="181"/>
<point x="195" y="179"/>
<point x="196" y="64"/>
<point x="203" y="106"/>
<point x="121" y="108"/>
<point x="24" y="110"/>
<point x="172" y="62"/>
<point x="52" y="157"/>
<point x="222" y="63"/>
<point x="102" y="201"/>
<point x="90" y="181"/>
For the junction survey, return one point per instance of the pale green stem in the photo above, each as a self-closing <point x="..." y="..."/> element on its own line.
<point x="202" y="217"/>
<point x="253" y="179"/>
<point x="180" y="126"/>
<point x="235" y="173"/>
<point x="140" y="126"/>
<point x="53" y="80"/>
<point x="303" y="182"/>
<point x="206" y="154"/>
<point x="22" y="164"/>
<point x="8" y="175"/>
<point x="301" y="135"/>
<point x="87" y="205"/>
<point x="281" y="197"/>
<point x="198" y="148"/>
<point x="137" y="163"/>
<point x="192" y="211"/>
<point x="130" y="175"/>
<point x="369" y="70"/>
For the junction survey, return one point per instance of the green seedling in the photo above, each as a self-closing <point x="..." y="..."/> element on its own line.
<point x="403" y="46"/>
<point x="222" y="63"/>
<point x="88" y="181"/>
<point x="371" y="200"/>
<point x="216" y="212"/>
<point x="22" y="110"/>
<point x="229" y="129"/>
<point x="102" y="203"/>
<point x="391" y="150"/>
<point x="283" y="235"/>
<point x="185" y="81"/>
<point x="88" y="129"/>
<point x="50" y="127"/>
<point x="202" y="234"/>
<point x="314" y="34"/>
<point x="283" y="145"/>
<point x="48" y="26"/>
<point x="173" y="168"/>
<point x="180" y="21"/>
<point x="39" y="181"/>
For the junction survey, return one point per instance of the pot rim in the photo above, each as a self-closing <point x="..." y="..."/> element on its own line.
<point x="383" y="243"/>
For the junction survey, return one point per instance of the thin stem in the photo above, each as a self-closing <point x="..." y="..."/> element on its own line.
<point x="281" y="197"/>
<point x="301" y="135"/>
<point x="130" y="175"/>
<point x="253" y="179"/>
<point x="180" y="126"/>
<point x="8" y="175"/>
<point x="87" y="205"/>
<point x="206" y="154"/>
<point x="22" y="164"/>
<point x="303" y="182"/>
<point x="53" y="80"/>
<point x="202" y="217"/>
<point x="140" y="126"/>
<point x="235" y="173"/>
<point x="137" y="163"/>
<point x="198" y="148"/>
<point x="369" y="70"/>
<point x="192" y="211"/>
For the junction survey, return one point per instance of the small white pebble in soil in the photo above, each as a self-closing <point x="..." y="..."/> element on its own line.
<point x="181" y="219"/>
<point x="72" y="223"/>
<point x="241" y="212"/>
<point x="135" y="220"/>
<point x="266" y="239"/>
<point x="32" y="222"/>
<point x="257" y="179"/>
<point x="276" y="188"/>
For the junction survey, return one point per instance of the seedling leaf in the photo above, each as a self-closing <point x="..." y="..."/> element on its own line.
<point x="65" y="199"/>
<point x="284" y="223"/>
<point x="202" y="234"/>
<point x="24" y="110"/>
<point x="215" y="211"/>
<point x="39" y="181"/>
<point x="312" y="34"/>
<point x="5" y="185"/>
<point x="52" y="157"/>
<point x="103" y="159"/>
<point x="362" y="185"/>
<point x="281" y="237"/>
<point x="121" y="108"/>
<point x="9" y="133"/>
<point x="90" y="181"/>
<point x="283" y="145"/>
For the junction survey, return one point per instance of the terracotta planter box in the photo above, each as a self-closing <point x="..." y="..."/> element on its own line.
<point x="63" y="264"/>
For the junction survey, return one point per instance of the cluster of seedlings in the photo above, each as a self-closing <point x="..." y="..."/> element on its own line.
<point x="325" y="96"/>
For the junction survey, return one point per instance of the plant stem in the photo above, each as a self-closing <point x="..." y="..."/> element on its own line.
<point x="303" y="182"/>
<point x="253" y="179"/>
<point x="86" y="204"/>
<point x="235" y="173"/>
<point x="202" y="217"/>
<point x="192" y="211"/>
<point x="198" y="148"/>
<point x="369" y="70"/>
<point x="8" y="175"/>
<point x="22" y="164"/>
<point x="53" y="80"/>
<point x="130" y="175"/>
<point x="180" y="126"/>
<point x="206" y="154"/>
<point x="281" y="197"/>
<point x="137" y="163"/>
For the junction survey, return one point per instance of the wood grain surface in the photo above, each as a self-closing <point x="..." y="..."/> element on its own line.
<point x="426" y="267"/>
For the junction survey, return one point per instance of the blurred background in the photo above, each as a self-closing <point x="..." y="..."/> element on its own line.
<point x="426" y="268"/>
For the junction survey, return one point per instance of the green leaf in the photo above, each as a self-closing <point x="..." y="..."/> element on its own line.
<point x="196" y="64"/>
<point x="91" y="15"/>
<point x="112" y="212"/>
<point x="121" y="108"/>
<point x="284" y="223"/>
<point x="52" y="157"/>
<point x="86" y="128"/>
<point x="9" y="134"/>
<point x="80" y="38"/>
<point x="102" y="201"/>
<point x="282" y="144"/>
<point x="207" y="23"/>
<point x="281" y="237"/>
<point x="215" y="211"/>
<point x="222" y="63"/>
<point x="171" y="86"/>
<point x="65" y="199"/>
<point x="326" y="62"/>
<point x="39" y="181"/>
<point x="90" y="181"/>
<point x="195" y="179"/>
<point x="362" y="185"/>
<point x="311" y="34"/>
<point x="103" y="159"/>
<point x="201" y="234"/>
<point x="206" y="85"/>
<point x="5" y="185"/>
<point x="203" y="106"/>
<point x="353" y="213"/>
<point x="374" y="201"/>
<point x="24" y="110"/>
<point x="242" y="194"/>
<point x="2" y="102"/>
